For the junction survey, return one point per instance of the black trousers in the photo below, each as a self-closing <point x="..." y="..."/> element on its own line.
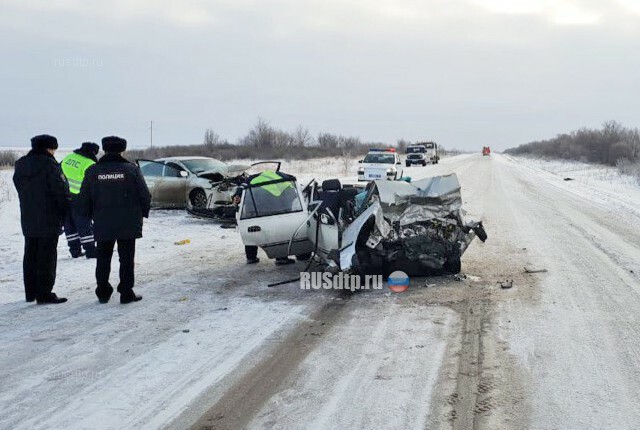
<point x="79" y="232"/>
<point x="126" y="253"/>
<point x="251" y="252"/>
<point x="39" y="266"/>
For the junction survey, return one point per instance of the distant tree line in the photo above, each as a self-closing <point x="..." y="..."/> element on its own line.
<point x="264" y="141"/>
<point x="7" y="158"/>
<point x="613" y="144"/>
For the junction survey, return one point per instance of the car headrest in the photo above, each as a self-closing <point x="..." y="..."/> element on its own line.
<point x="331" y="185"/>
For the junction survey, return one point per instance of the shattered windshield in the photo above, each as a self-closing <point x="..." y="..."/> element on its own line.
<point x="275" y="199"/>
<point x="204" y="165"/>
<point x="381" y="158"/>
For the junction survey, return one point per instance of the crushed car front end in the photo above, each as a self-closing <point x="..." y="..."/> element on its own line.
<point x="418" y="228"/>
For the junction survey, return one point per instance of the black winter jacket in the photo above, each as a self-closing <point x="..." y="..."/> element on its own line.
<point x="43" y="192"/>
<point x="115" y="195"/>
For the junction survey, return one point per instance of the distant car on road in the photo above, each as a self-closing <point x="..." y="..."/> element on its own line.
<point x="422" y="153"/>
<point x="191" y="182"/>
<point x="486" y="150"/>
<point x="380" y="164"/>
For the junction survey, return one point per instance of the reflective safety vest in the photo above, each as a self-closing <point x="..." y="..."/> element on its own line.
<point x="275" y="189"/>
<point x="74" y="167"/>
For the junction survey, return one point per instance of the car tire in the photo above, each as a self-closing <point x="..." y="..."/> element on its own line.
<point x="304" y="257"/>
<point x="407" y="164"/>
<point x="480" y="232"/>
<point x="424" y="163"/>
<point x="198" y="198"/>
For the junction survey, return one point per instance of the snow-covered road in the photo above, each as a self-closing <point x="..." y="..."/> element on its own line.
<point x="211" y="346"/>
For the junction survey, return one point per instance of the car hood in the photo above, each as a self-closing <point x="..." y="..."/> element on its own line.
<point x="230" y="171"/>
<point x="378" y="165"/>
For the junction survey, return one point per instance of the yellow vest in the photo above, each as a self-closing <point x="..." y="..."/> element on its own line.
<point x="275" y="189"/>
<point x="74" y="167"/>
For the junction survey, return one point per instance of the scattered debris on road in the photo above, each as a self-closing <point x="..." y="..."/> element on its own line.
<point x="534" y="270"/>
<point x="506" y="284"/>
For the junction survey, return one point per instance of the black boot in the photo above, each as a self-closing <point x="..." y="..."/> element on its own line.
<point x="104" y="293"/>
<point x="129" y="297"/>
<point x="51" y="299"/>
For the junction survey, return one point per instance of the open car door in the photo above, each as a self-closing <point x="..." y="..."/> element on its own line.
<point x="273" y="216"/>
<point x="167" y="184"/>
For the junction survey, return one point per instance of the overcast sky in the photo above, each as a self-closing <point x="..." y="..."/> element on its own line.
<point x="465" y="73"/>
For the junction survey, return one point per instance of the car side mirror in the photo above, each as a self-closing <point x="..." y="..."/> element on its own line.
<point x="398" y="163"/>
<point x="360" y="161"/>
<point x="183" y="174"/>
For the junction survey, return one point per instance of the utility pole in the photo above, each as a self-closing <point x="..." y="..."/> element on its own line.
<point x="151" y="134"/>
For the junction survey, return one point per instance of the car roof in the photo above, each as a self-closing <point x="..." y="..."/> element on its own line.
<point x="182" y="158"/>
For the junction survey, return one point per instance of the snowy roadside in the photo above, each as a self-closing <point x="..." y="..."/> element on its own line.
<point x="204" y="314"/>
<point x="94" y="366"/>
<point x="600" y="184"/>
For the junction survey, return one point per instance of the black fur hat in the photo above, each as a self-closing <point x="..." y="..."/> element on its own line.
<point x="113" y="144"/>
<point x="90" y="147"/>
<point x="44" y="141"/>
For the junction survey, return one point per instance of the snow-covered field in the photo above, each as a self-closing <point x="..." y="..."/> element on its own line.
<point x="211" y="346"/>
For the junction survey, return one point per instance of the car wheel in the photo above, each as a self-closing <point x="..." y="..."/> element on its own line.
<point x="408" y="164"/>
<point x="198" y="198"/>
<point x="424" y="163"/>
<point x="480" y="232"/>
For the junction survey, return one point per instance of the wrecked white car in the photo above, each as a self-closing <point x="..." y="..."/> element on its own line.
<point x="191" y="182"/>
<point x="418" y="227"/>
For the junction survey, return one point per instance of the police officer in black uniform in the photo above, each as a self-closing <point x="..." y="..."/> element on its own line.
<point x="115" y="195"/>
<point x="44" y="201"/>
<point x="78" y="229"/>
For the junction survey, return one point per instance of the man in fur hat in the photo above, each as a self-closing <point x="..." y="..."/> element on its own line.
<point x="115" y="195"/>
<point x="44" y="202"/>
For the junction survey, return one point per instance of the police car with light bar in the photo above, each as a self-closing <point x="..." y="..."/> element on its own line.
<point x="380" y="164"/>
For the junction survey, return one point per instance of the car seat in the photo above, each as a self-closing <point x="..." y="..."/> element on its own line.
<point x="330" y="196"/>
